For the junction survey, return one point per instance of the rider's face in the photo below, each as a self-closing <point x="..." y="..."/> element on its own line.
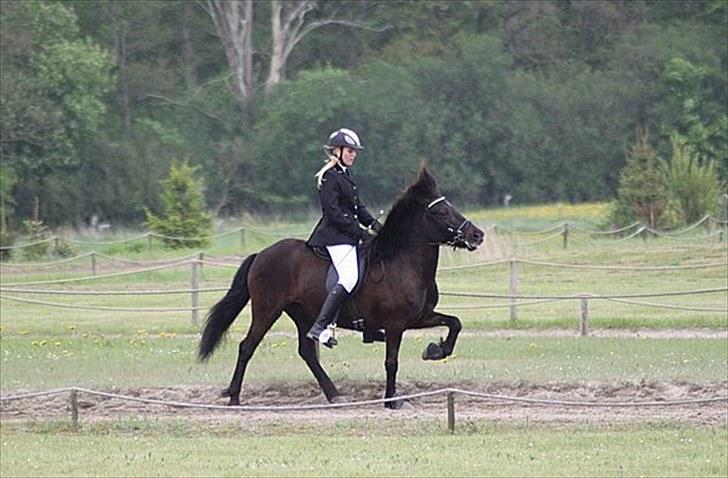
<point x="348" y="156"/>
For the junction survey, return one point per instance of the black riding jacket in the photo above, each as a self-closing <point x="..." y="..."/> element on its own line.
<point x="342" y="210"/>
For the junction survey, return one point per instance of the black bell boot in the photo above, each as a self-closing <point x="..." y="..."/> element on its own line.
<point x="320" y="332"/>
<point x="369" y="336"/>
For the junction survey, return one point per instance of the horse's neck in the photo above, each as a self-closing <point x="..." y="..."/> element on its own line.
<point x="423" y="258"/>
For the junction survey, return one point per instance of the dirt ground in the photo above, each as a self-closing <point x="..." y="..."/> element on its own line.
<point x="96" y="408"/>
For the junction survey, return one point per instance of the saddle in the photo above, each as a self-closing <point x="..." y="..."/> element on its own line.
<point x="350" y="317"/>
<point x="332" y="277"/>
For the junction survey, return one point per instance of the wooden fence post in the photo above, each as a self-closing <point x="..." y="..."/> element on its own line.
<point x="195" y="286"/>
<point x="149" y="242"/>
<point x="74" y="409"/>
<point x="513" y="287"/>
<point x="584" y="317"/>
<point x="566" y="235"/>
<point x="93" y="263"/>
<point x="451" y="411"/>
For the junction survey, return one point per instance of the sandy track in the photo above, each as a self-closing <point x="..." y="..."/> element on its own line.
<point x="95" y="408"/>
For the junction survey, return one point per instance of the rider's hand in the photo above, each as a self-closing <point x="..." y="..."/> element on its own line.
<point x="364" y="235"/>
<point x="376" y="226"/>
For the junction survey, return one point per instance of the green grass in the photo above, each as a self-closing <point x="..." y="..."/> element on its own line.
<point x="43" y="347"/>
<point x="153" y="361"/>
<point x="536" y="280"/>
<point x="360" y="448"/>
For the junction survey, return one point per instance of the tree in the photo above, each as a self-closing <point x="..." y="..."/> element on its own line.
<point x="52" y="85"/>
<point x="184" y="213"/>
<point x="289" y="25"/>
<point x="234" y="23"/>
<point x="642" y="184"/>
<point x="700" y="125"/>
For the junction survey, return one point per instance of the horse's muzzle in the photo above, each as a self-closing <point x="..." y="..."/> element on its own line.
<point x="469" y="237"/>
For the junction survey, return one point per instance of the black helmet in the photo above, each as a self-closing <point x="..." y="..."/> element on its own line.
<point x="343" y="137"/>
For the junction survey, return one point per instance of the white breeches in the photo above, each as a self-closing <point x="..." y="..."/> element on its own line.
<point x="344" y="259"/>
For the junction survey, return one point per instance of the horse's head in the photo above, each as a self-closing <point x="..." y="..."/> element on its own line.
<point x="422" y="215"/>
<point x="444" y="223"/>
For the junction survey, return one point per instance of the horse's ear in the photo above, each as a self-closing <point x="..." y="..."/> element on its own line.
<point x="425" y="184"/>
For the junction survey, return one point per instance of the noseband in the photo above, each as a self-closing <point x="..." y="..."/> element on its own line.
<point x="458" y="238"/>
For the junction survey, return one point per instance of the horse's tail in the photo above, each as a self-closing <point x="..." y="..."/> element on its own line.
<point x="223" y="314"/>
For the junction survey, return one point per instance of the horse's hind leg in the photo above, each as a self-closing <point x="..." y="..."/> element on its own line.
<point x="259" y="326"/>
<point x="307" y="351"/>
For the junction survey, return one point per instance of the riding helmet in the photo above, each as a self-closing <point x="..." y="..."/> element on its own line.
<point x="344" y="137"/>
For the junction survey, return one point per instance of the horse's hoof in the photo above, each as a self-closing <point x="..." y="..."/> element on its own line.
<point x="331" y="343"/>
<point x="234" y="401"/>
<point x="395" y="404"/>
<point x="433" y="352"/>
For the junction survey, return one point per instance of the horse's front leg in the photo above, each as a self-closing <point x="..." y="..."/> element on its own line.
<point x="394" y="339"/>
<point x="438" y="351"/>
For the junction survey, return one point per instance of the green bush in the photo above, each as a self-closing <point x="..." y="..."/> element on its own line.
<point x="693" y="182"/>
<point x="7" y="239"/>
<point x="64" y="248"/>
<point x="184" y="222"/>
<point x="37" y="235"/>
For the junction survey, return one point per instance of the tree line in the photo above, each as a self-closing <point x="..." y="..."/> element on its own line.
<point x="539" y="100"/>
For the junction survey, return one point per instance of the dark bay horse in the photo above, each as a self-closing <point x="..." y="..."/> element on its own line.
<point x="398" y="293"/>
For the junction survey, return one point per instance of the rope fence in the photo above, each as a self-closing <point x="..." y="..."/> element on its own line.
<point x="562" y="229"/>
<point x="11" y="291"/>
<point x="172" y="262"/>
<point x="449" y="392"/>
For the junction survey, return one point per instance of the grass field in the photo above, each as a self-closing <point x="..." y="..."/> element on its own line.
<point x="359" y="448"/>
<point x="476" y="313"/>
<point x="145" y="361"/>
<point x="43" y="346"/>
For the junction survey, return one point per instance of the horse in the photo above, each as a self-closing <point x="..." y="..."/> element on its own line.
<point x="399" y="291"/>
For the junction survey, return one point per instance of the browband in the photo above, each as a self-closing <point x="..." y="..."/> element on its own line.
<point x="440" y="199"/>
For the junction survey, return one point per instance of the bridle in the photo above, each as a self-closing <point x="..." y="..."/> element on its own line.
<point x="458" y="238"/>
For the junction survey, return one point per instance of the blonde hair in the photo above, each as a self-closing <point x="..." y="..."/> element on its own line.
<point x="330" y="163"/>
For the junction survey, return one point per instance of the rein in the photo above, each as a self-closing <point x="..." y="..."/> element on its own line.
<point x="458" y="238"/>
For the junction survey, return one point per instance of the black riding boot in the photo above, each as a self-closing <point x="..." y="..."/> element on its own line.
<point x="331" y="307"/>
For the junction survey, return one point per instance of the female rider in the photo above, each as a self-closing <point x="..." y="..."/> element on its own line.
<point x="345" y="222"/>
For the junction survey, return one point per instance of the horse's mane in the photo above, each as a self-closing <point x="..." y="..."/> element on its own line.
<point x="398" y="225"/>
